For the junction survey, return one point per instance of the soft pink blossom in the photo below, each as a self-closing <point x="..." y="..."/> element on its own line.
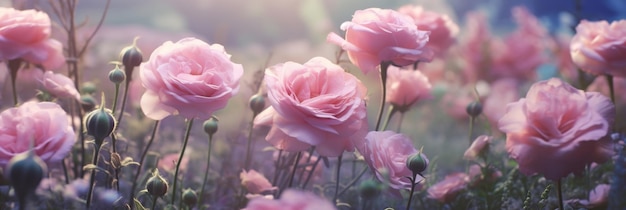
<point x="59" y="85"/>
<point x="600" y="48"/>
<point x="557" y="129"/>
<point x="446" y="190"/>
<point x="386" y="153"/>
<point x="474" y="48"/>
<point x="598" y="198"/>
<point x="255" y="182"/>
<point x="291" y="200"/>
<point x="455" y="102"/>
<point x="26" y="35"/>
<point x="168" y="162"/>
<point x="190" y="78"/>
<point x="477" y="176"/>
<point x="313" y="104"/>
<point x="442" y="29"/>
<point x="381" y="35"/>
<point x="44" y="123"/>
<point x="502" y="92"/>
<point x="406" y="87"/>
<point x="479" y="146"/>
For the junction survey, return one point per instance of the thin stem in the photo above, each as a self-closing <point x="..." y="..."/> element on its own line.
<point x="471" y="129"/>
<point x="293" y="171"/>
<point x="92" y="180"/>
<point x="249" y="146"/>
<point x="399" y="128"/>
<point x="180" y="158"/>
<point x="559" y="194"/>
<point x="338" y="176"/>
<point x="609" y="79"/>
<point x="277" y="166"/>
<point x="392" y="110"/>
<point x="206" y="171"/>
<point x="308" y="178"/>
<point x="383" y="78"/>
<point x="154" y="202"/>
<point x="117" y="93"/>
<point x="14" y="66"/>
<point x="413" y="183"/>
<point x="126" y="87"/>
<point x="65" y="174"/>
<point x="131" y="202"/>
<point x="352" y="182"/>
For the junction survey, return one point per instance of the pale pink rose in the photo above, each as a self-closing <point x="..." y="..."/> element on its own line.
<point x="442" y="29"/>
<point x="381" y="35"/>
<point x="168" y="162"/>
<point x="406" y="87"/>
<point x="600" y="48"/>
<point x="26" y="34"/>
<point x="313" y="104"/>
<point x="598" y="198"/>
<point x="557" y="129"/>
<point x="386" y="153"/>
<point x="44" y="123"/>
<point x="479" y="146"/>
<point x="291" y="200"/>
<point x="478" y="177"/>
<point x="59" y="85"/>
<point x="474" y="49"/>
<point x="190" y="78"/>
<point x="255" y="182"/>
<point x="502" y="92"/>
<point x="446" y="190"/>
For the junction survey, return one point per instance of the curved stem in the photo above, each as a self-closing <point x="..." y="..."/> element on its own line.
<point x="92" y="180"/>
<point x="180" y="158"/>
<point x="131" y="202"/>
<point x="338" y="176"/>
<point x="206" y="171"/>
<point x="353" y="181"/>
<point x="413" y="183"/>
<point x="471" y="129"/>
<point x="308" y="178"/>
<point x="117" y="93"/>
<point x="293" y="172"/>
<point x="559" y="194"/>
<point x="126" y="87"/>
<point x="392" y="110"/>
<point x="249" y="147"/>
<point x="383" y="78"/>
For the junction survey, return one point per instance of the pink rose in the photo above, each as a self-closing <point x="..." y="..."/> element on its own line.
<point x="446" y="190"/>
<point x="479" y="146"/>
<point x="598" y="198"/>
<point x="386" y="154"/>
<point x="168" y="162"/>
<point x="502" y="92"/>
<point x="557" y="129"/>
<point x="313" y="104"/>
<point x="406" y="87"/>
<point x="59" y="85"/>
<point x="442" y="29"/>
<point x="381" y="35"/>
<point x="44" y="123"/>
<point x="291" y="200"/>
<point x="26" y="34"/>
<point x="600" y="48"/>
<point x="255" y="182"/>
<point x="477" y="176"/>
<point x="190" y="78"/>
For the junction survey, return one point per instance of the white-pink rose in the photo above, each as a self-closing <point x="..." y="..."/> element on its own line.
<point x="600" y="48"/>
<point x="190" y="78"/>
<point x="406" y="87"/>
<point x="442" y="29"/>
<point x="59" y="85"/>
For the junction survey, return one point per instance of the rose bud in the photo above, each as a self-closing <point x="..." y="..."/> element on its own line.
<point x="156" y="185"/>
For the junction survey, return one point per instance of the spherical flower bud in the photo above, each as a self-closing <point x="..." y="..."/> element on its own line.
<point x="87" y="102"/>
<point x="156" y="185"/>
<point x="100" y="123"/>
<point x="369" y="189"/>
<point x="417" y="163"/>
<point x="210" y="125"/>
<point x="257" y="103"/>
<point x="190" y="198"/>
<point x="474" y="109"/>
<point x="25" y="171"/>
<point x="131" y="57"/>
<point x="116" y="75"/>
<point x="88" y="88"/>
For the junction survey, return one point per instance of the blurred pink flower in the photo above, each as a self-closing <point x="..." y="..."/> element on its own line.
<point x="476" y="176"/>
<point x="564" y="63"/>
<point x="598" y="198"/>
<point x="557" y="129"/>
<point x="44" y="123"/>
<point x="406" y="87"/>
<point x="168" y="162"/>
<point x="455" y="102"/>
<point x="386" y="154"/>
<point x="479" y="146"/>
<point x="190" y="78"/>
<point x="474" y="48"/>
<point x="502" y="92"/>
<point x="59" y="85"/>
<point x="381" y="35"/>
<point x="291" y="200"/>
<point x="446" y="190"/>
<point x="442" y="29"/>
<point x="600" y="48"/>
<point x="255" y="182"/>
<point x="313" y="104"/>
<point x="26" y="35"/>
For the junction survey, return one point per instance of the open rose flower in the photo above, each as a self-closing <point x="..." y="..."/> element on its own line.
<point x="386" y="154"/>
<point x="190" y="78"/>
<point x="255" y="182"/>
<point x="313" y="104"/>
<point x="26" y="35"/>
<point x="291" y="200"/>
<point x="44" y="123"/>
<point x="446" y="190"/>
<point x="59" y="85"/>
<point x="381" y="35"/>
<point x="442" y="29"/>
<point x="479" y="146"/>
<point x="406" y="87"/>
<point x="600" y="48"/>
<point x="557" y="129"/>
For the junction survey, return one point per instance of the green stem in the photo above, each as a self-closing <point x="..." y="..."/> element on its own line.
<point x="180" y="158"/>
<point x="293" y="172"/>
<point x="206" y="171"/>
<point x="249" y="146"/>
<point x="131" y="202"/>
<point x="92" y="180"/>
<point x="14" y="66"/>
<point x="353" y="181"/>
<point x="559" y="194"/>
<point x="126" y="87"/>
<point x="609" y="79"/>
<point x="308" y="178"/>
<point x="383" y="78"/>
<point x="392" y="110"/>
<point x="65" y="174"/>
<point x="117" y="93"/>
<point x="471" y="129"/>
<point x="278" y="167"/>
<point x="338" y="176"/>
<point x="413" y="183"/>
<point x="154" y="202"/>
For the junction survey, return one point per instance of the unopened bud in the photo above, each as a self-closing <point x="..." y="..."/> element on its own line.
<point x="25" y="171"/>
<point x="417" y="163"/>
<point x="474" y="109"/>
<point x="210" y="125"/>
<point x="257" y="103"/>
<point x="156" y="185"/>
<point x="100" y="123"/>
<point x="116" y="75"/>
<point x="370" y="189"/>
<point x="190" y="198"/>
<point x="131" y="57"/>
<point x="87" y="102"/>
<point x="88" y="88"/>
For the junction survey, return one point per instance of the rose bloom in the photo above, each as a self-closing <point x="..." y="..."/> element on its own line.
<point x="406" y="87"/>
<point x="598" y="198"/>
<point x="447" y="189"/>
<point x="600" y="48"/>
<point x="381" y="35"/>
<point x="26" y="35"/>
<point x="386" y="153"/>
<point x="59" y="85"/>
<point x="313" y="104"/>
<point x="255" y="182"/>
<point x="190" y="78"/>
<point x="442" y="29"/>
<point x="291" y="200"/>
<point x="557" y="129"/>
<point x="44" y="123"/>
<point x="479" y="146"/>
